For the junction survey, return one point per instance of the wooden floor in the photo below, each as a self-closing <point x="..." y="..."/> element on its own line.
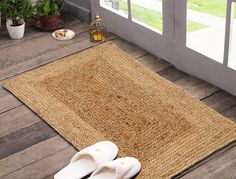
<point x="29" y="148"/>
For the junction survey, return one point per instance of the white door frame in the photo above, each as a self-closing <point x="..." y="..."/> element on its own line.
<point x="171" y="45"/>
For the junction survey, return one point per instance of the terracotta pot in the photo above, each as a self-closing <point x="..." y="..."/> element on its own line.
<point x="50" y="21"/>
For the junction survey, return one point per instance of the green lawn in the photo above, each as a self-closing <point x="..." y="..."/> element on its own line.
<point x="213" y="7"/>
<point x="153" y="18"/>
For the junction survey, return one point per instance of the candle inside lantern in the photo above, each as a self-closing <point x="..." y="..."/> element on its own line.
<point x="97" y="35"/>
<point x="97" y="30"/>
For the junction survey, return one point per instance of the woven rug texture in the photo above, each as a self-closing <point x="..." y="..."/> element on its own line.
<point x="104" y="94"/>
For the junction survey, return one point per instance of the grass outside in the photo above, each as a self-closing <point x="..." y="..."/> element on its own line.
<point x="153" y="18"/>
<point x="212" y="7"/>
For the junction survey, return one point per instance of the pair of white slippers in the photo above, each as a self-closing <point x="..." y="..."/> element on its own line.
<point x="98" y="159"/>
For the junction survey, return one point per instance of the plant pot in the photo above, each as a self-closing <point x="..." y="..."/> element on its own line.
<point x="15" y="32"/>
<point x="50" y="21"/>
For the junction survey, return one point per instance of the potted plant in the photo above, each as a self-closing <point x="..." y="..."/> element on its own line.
<point x="17" y="12"/>
<point x="49" y="12"/>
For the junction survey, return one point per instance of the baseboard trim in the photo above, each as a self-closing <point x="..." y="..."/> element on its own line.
<point x="80" y="12"/>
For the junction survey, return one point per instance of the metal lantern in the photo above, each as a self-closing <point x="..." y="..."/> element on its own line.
<point x="97" y="30"/>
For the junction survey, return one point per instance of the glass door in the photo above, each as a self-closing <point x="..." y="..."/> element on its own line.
<point x="148" y="14"/>
<point x="197" y="36"/>
<point x="145" y="13"/>
<point x="139" y="21"/>
<point x="117" y="6"/>
<point x="206" y="27"/>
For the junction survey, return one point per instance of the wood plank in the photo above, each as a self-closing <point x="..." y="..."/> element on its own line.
<point x="216" y="166"/>
<point x="44" y="167"/>
<point x="82" y="43"/>
<point x="31" y="33"/>
<point x="172" y="74"/>
<point x="216" y="98"/>
<point x="16" y="54"/>
<point x="158" y="66"/>
<point x="129" y="48"/>
<point x="32" y="154"/>
<point x="124" y="45"/>
<point x="230" y="113"/>
<point x="220" y="101"/>
<point x="17" y="119"/>
<point x="228" y="171"/>
<point x="153" y="63"/>
<point x="3" y="92"/>
<point x="137" y="53"/>
<point x="8" y="102"/>
<point x="148" y="59"/>
<point x="196" y="87"/>
<point x="25" y="138"/>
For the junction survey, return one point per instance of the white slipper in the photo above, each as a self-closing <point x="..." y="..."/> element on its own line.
<point x="87" y="160"/>
<point x="122" y="168"/>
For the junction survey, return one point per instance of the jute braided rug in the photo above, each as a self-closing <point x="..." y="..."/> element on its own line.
<point x="103" y="94"/>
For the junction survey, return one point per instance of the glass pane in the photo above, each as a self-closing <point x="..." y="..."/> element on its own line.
<point x="119" y="6"/>
<point x="206" y="27"/>
<point x="148" y="13"/>
<point x="232" y="45"/>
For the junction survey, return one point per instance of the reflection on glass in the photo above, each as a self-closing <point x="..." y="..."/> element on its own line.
<point x="206" y="27"/>
<point x="120" y="6"/>
<point x="148" y="13"/>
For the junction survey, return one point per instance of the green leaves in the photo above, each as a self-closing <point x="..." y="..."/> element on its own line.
<point x="46" y="8"/>
<point x="56" y="8"/>
<point x="49" y="7"/>
<point x="18" y="10"/>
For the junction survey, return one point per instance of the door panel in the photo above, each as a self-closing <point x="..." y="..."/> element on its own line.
<point x="208" y="35"/>
<point x="148" y="14"/>
<point x="117" y="6"/>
